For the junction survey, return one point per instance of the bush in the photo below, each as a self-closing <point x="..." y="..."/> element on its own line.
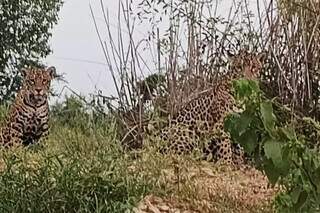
<point x="276" y="149"/>
<point x="74" y="112"/>
<point x="71" y="172"/>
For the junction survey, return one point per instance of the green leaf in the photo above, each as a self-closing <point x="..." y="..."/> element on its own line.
<point x="273" y="151"/>
<point x="285" y="164"/>
<point x="268" y="117"/>
<point x="249" y="141"/>
<point x="254" y="86"/>
<point x="276" y="151"/>
<point x="245" y="88"/>
<point x="230" y="124"/>
<point x="295" y="194"/>
<point x="241" y="87"/>
<point x="244" y="121"/>
<point x="285" y="202"/>
<point x="303" y="197"/>
<point x="271" y="171"/>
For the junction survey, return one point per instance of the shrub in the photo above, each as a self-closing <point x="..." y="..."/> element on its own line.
<point x="71" y="172"/>
<point x="277" y="149"/>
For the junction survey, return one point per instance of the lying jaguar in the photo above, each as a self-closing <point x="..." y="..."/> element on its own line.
<point x="202" y="118"/>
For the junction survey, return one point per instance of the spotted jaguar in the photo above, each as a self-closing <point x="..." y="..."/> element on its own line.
<point x="27" y="120"/>
<point x="202" y="118"/>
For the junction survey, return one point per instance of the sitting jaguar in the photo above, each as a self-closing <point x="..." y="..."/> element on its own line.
<point x="27" y="120"/>
<point x="199" y="123"/>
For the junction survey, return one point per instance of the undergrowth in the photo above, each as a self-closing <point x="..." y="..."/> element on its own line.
<point x="71" y="172"/>
<point x="83" y="168"/>
<point x="277" y="148"/>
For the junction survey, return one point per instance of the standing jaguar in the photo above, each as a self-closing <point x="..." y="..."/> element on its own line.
<point x="27" y="120"/>
<point x="202" y="119"/>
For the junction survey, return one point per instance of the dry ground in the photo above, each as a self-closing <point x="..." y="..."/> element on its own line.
<point x="208" y="188"/>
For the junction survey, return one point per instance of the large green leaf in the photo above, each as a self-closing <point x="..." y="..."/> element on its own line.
<point x="241" y="88"/>
<point x="268" y="117"/>
<point x="230" y="124"/>
<point x="245" y="88"/>
<point x="277" y="152"/>
<point x="249" y="141"/>
<point x="271" y="171"/>
<point x="273" y="151"/>
<point x="237" y="124"/>
<point x="295" y="194"/>
<point x="254" y="86"/>
<point x="244" y="121"/>
<point x="303" y="197"/>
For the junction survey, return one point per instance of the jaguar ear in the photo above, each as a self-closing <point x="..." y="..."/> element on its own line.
<point x="52" y="71"/>
<point x="24" y="71"/>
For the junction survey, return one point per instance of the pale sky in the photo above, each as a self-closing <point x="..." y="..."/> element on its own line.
<point x="76" y="48"/>
<point x="74" y="42"/>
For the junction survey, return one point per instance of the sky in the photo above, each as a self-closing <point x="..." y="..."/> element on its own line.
<point x="76" y="49"/>
<point x="77" y="52"/>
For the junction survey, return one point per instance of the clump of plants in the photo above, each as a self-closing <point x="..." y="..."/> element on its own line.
<point x="276" y="148"/>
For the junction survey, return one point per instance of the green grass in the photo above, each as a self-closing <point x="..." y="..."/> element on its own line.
<point x="82" y="168"/>
<point x="71" y="172"/>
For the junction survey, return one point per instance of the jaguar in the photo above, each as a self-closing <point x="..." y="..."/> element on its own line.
<point x="202" y="118"/>
<point x="27" y="120"/>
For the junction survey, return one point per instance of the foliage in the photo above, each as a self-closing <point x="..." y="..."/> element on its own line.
<point x="74" y="112"/>
<point x="71" y="172"/>
<point x="79" y="170"/>
<point x="277" y="150"/>
<point x="24" y="33"/>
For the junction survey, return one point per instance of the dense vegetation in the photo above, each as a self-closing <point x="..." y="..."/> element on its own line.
<point x="74" y="171"/>
<point x="84" y="167"/>
<point x="277" y="148"/>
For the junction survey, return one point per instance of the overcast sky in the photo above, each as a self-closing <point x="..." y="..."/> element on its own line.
<point x="76" y="48"/>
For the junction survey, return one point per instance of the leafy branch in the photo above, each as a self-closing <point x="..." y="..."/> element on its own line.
<point x="276" y="148"/>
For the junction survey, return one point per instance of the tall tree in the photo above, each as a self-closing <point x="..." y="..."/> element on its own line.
<point x="24" y="33"/>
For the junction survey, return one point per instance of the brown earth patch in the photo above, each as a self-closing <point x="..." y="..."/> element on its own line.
<point x="205" y="188"/>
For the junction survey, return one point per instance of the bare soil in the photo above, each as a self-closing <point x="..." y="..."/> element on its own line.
<point x="206" y="188"/>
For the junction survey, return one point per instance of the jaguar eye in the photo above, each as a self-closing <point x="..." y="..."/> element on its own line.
<point x="32" y="82"/>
